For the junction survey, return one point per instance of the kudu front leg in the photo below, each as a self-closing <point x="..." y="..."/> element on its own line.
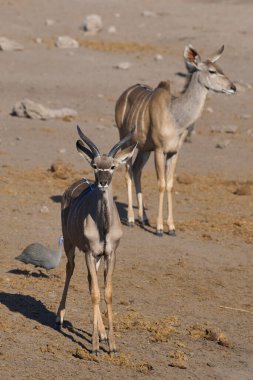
<point x="160" y="172"/>
<point x="95" y="298"/>
<point x="109" y="267"/>
<point x="70" y="266"/>
<point x="170" y="171"/>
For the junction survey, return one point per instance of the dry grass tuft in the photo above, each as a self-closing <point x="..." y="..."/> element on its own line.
<point x="209" y="333"/>
<point x="178" y="359"/>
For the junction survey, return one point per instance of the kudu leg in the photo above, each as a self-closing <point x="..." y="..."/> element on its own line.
<point x="128" y="178"/>
<point x="160" y="172"/>
<point x="109" y="267"/>
<point x="170" y="171"/>
<point x="70" y="266"/>
<point x="139" y="163"/>
<point x="101" y="327"/>
<point x="95" y="298"/>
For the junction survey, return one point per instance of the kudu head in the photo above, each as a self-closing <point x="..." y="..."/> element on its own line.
<point x="209" y="74"/>
<point x="104" y="164"/>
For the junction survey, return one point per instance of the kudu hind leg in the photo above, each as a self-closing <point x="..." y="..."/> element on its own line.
<point x="160" y="172"/>
<point x="139" y="163"/>
<point x="128" y="178"/>
<point x="70" y="266"/>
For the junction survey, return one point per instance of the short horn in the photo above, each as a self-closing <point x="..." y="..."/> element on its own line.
<point x="120" y="144"/>
<point x="90" y="144"/>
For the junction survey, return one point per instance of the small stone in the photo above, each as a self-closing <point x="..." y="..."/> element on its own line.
<point x="9" y="45"/>
<point x="66" y="42"/>
<point x="158" y="57"/>
<point x="18" y="138"/>
<point x="245" y="116"/>
<point x="62" y="150"/>
<point x="222" y="145"/>
<point x="111" y="29"/>
<point x="92" y="24"/>
<point x="117" y="15"/>
<point x="100" y="96"/>
<point x="230" y="128"/>
<point x="209" y="109"/>
<point x="38" y="40"/>
<point x="44" y="210"/>
<point x="123" y="66"/>
<point x="148" y="14"/>
<point x="49" y="22"/>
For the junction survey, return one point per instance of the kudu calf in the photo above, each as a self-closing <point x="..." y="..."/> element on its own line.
<point x="90" y="222"/>
<point x="161" y="122"/>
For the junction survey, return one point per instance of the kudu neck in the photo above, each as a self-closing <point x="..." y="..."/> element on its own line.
<point x="105" y="209"/>
<point x="188" y="107"/>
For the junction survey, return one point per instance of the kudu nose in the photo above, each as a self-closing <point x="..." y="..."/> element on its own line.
<point x="233" y="87"/>
<point x="103" y="183"/>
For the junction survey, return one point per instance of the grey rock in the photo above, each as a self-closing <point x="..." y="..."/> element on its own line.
<point x="223" y="144"/>
<point x="92" y="24"/>
<point x="9" y="45"/>
<point x="28" y="108"/>
<point x="66" y="42"/>
<point x="230" y="128"/>
<point x="123" y="66"/>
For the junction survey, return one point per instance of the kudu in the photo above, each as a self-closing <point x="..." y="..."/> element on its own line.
<point x="90" y="222"/>
<point x="161" y="122"/>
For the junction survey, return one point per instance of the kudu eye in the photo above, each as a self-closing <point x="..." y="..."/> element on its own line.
<point x="113" y="167"/>
<point x="94" y="166"/>
<point x="212" y="71"/>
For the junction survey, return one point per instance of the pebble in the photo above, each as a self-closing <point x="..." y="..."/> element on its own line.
<point x="148" y="14"/>
<point x="92" y="24"/>
<point x="44" y="210"/>
<point x="9" y="45"/>
<point x="62" y="150"/>
<point x="38" y="40"/>
<point x="111" y="29"/>
<point x="66" y="42"/>
<point x="230" y="128"/>
<point x="123" y="66"/>
<point x="158" y="57"/>
<point x="209" y="109"/>
<point x="49" y="22"/>
<point x="245" y="116"/>
<point x="223" y="144"/>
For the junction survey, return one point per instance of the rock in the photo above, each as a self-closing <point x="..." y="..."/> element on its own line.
<point x="148" y="14"/>
<point x="158" y="57"/>
<point x="209" y="109"/>
<point x="245" y="116"/>
<point x="222" y="145"/>
<point x="123" y="66"/>
<point x="9" y="45"/>
<point x="38" y="40"/>
<point x="66" y="42"/>
<point x="28" y="108"/>
<point x="111" y="29"/>
<point x="49" y="22"/>
<point x="92" y="24"/>
<point x="44" y="210"/>
<point x="230" y="128"/>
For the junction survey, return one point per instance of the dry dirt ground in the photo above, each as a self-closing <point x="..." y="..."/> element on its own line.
<point x="183" y="305"/>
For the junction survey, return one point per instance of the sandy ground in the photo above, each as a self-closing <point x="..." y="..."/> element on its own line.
<point x="182" y="306"/>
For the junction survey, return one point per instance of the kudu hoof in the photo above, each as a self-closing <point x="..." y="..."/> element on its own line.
<point x="159" y="233"/>
<point x="130" y="224"/>
<point x="95" y="352"/>
<point x="172" y="233"/>
<point x="113" y="353"/>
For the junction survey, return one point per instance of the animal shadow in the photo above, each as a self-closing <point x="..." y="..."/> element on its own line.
<point x="28" y="273"/>
<point x="35" y="310"/>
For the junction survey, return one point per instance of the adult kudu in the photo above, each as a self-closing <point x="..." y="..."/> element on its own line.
<point x="90" y="222"/>
<point x="161" y="123"/>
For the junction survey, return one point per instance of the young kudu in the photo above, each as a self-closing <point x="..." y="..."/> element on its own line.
<point x="161" y="124"/>
<point x="90" y="222"/>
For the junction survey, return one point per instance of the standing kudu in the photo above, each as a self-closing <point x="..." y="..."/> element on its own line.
<point x="161" y="123"/>
<point x="90" y="222"/>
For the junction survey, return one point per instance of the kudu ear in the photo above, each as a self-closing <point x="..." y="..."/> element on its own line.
<point x="216" y="56"/>
<point x="125" y="154"/>
<point x="192" y="58"/>
<point x="84" y="152"/>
